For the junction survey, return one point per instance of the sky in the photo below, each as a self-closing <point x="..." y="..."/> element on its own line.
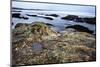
<point x="57" y="7"/>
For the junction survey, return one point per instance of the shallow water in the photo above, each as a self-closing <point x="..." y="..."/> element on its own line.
<point x="37" y="47"/>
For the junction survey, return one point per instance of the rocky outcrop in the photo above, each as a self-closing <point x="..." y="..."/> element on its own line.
<point x="70" y="17"/>
<point x="80" y="28"/>
<point x="18" y="15"/>
<point x="36" y="43"/>
<point x="89" y="20"/>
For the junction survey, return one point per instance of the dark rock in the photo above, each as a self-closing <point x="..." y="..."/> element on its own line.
<point x="49" y="24"/>
<point x="12" y="23"/>
<point x="70" y="17"/>
<point x="49" y="18"/>
<point x="16" y="11"/>
<point x="16" y="15"/>
<point x="31" y="15"/>
<point x="80" y="28"/>
<point x="54" y="15"/>
<point x="21" y="24"/>
<point x="24" y="17"/>
<point x="79" y="20"/>
<point x="90" y="20"/>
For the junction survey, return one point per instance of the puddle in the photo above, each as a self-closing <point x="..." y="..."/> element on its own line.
<point x="37" y="48"/>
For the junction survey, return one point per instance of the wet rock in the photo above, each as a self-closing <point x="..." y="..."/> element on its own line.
<point x="49" y="18"/>
<point x="90" y="20"/>
<point x="54" y="15"/>
<point x="12" y="23"/>
<point x="49" y="24"/>
<point x="16" y="15"/>
<point x="31" y="15"/>
<point x="24" y="17"/>
<point x="79" y="20"/>
<point x="70" y="17"/>
<point x="80" y="28"/>
<point x="16" y="11"/>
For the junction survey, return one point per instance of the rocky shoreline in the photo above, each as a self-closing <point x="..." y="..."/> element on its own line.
<point x="37" y="43"/>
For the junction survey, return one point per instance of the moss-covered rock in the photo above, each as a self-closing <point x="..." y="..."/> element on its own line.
<point x="68" y="47"/>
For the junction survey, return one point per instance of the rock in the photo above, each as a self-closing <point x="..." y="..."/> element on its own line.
<point x="79" y="20"/>
<point x="49" y="24"/>
<point x="38" y="44"/>
<point x="49" y="18"/>
<point x="24" y="17"/>
<point x="12" y="23"/>
<point x="80" y="28"/>
<point x="31" y="15"/>
<point x="41" y="29"/>
<point x="16" y="11"/>
<point x="54" y="15"/>
<point x="90" y="20"/>
<point x="21" y="24"/>
<point x="70" y="17"/>
<point x="16" y="15"/>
